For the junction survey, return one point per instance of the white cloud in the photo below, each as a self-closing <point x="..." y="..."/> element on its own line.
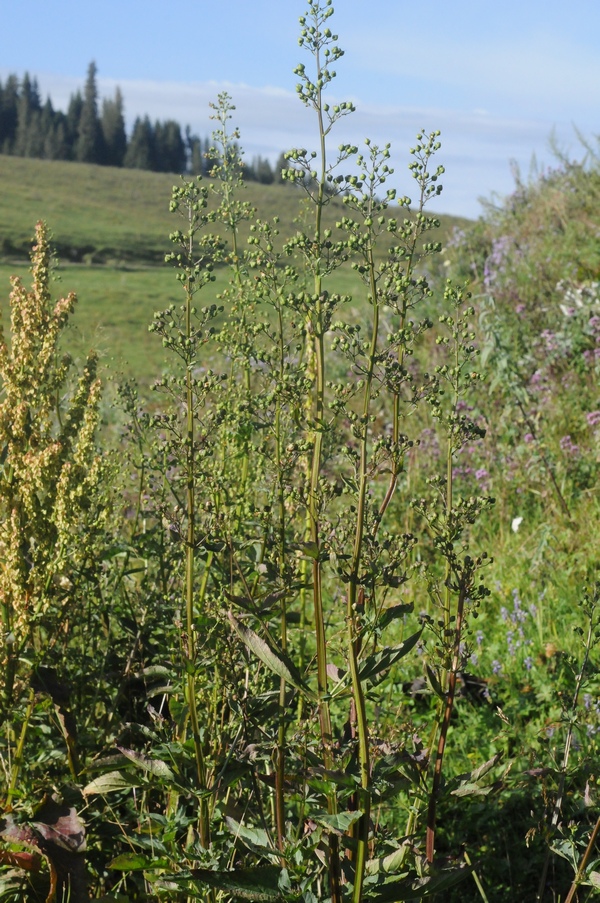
<point x="476" y="146"/>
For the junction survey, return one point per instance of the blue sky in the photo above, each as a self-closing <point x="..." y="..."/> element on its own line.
<point x="496" y="78"/>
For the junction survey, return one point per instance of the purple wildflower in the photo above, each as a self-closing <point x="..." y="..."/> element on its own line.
<point x="569" y="447"/>
<point x="593" y="418"/>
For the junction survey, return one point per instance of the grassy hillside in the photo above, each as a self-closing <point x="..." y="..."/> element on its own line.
<point x="104" y="215"/>
<point x="110" y="229"/>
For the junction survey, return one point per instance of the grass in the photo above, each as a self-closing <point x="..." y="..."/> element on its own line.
<point x="215" y="493"/>
<point x="103" y="214"/>
<point x="110" y="229"/>
<point x="116" y="304"/>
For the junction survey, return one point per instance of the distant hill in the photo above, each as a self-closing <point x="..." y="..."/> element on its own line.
<point x="108" y="215"/>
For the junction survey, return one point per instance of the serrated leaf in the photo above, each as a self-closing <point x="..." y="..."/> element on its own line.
<point x="156" y="767"/>
<point x="135" y="862"/>
<point x="111" y="782"/>
<point x="258" y="884"/>
<point x="277" y="662"/>
<point x="374" y="665"/>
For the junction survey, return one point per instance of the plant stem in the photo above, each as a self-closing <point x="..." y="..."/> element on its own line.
<point x="18" y="757"/>
<point x="190" y="659"/>
<point x="583" y="863"/>
<point x="281" y="746"/>
<point x="449" y="681"/>
<point x="353" y="614"/>
<point x="314" y="496"/>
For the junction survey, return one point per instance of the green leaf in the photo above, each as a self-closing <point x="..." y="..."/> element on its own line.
<point x="409" y="888"/>
<point x="386" y="864"/>
<point x="277" y="662"/>
<point x="256" y="839"/>
<point x="468" y="782"/>
<point x="135" y="862"/>
<point x="435" y="684"/>
<point x="374" y="665"/>
<point x="470" y="789"/>
<point x="594" y="879"/>
<point x="338" y="823"/>
<point x="309" y="549"/>
<point x="260" y="884"/>
<point x="156" y="767"/>
<point x="392" y="614"/>
<point x="111" y="782"/>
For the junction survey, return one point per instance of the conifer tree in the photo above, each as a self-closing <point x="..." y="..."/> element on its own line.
<point x="113" y="130"/>
<point x="170" y="155"/>
<point x="72" y="122"/>
<point x="44" y="139"/>
<point x="9" y="100"/>
<point x="28" y="106"/>
<point x="280" y="165"/>
<point x="141" y="151"/>
<point x="194" y="153"/>
<point x="90" y="143"/>
<point x="263" y="171"/>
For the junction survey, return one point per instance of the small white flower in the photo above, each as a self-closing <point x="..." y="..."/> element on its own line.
<point x="516" y="523"/>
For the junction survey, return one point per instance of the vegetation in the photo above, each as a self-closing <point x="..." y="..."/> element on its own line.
<point x="254" y="645"/>
<point x="111" y="248"/>
<point x="29" y="128"/>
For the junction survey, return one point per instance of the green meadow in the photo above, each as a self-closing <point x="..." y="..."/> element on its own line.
<point x="110" y="229"/>
<point x="320" y="621"/>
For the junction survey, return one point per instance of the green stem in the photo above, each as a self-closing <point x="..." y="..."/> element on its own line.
<point x="353" y="615"/>
<point x="314" y="501"/>
<point x="281" y="745"/>
<point x="18" y="758"/>
<point x="449" y="676"/>
<point x="190" y="658"/>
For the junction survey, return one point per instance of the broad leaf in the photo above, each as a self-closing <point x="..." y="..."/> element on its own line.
<point x="256" y="839"/>
<point x="391" y="614"/>
<point x="468" y="783"/>
<point x="409" y="888"/>
<point x="156" y="767"/>
<point x="386" y="864"/>
<point x="338" y="823"/>
<point x="470" y="789"/>
<point x="277" y="662"/>
<point x="259" y="884"/>
<point x="111" y="782"/>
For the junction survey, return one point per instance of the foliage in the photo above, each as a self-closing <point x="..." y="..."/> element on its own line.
<point x="296" y="672"/>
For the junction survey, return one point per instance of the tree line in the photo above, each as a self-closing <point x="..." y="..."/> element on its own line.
<point x="92" y="133"/>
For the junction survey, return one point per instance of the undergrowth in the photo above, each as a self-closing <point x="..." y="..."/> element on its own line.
<point x="324" y="626"/>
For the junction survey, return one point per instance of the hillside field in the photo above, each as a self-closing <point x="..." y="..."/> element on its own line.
<point x="110" y="229"/>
